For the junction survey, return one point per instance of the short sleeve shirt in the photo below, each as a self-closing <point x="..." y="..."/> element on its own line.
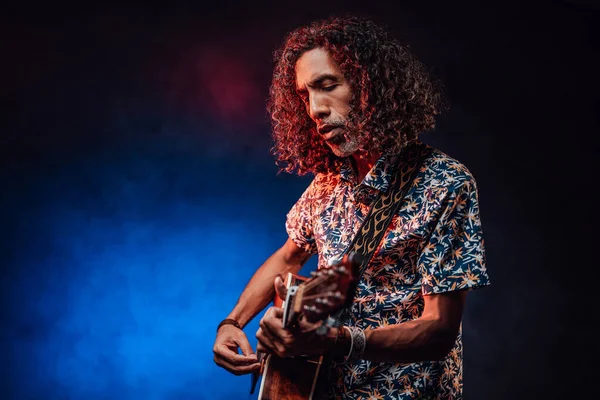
<point x="434" y="244"/>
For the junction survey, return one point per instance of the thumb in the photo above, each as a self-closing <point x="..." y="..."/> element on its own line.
<point x="280" y="288"/>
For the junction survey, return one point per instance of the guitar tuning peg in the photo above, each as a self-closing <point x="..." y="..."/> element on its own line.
<point x="310" y="308"/>
<point x="314" y="273"/>
<point x="341" y="269"/>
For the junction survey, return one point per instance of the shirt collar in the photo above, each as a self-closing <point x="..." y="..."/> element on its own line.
<point x="379" y="177"/>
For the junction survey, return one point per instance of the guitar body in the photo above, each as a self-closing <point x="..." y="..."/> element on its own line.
<point x="290" y="378"/>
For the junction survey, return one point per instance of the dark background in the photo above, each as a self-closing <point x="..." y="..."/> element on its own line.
<point x="138" y="194"/>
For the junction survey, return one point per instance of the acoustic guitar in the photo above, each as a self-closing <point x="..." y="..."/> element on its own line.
<point x="315" y="299"/>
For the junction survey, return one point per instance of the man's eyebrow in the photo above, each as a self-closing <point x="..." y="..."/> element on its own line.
<point x="319" y="80"/>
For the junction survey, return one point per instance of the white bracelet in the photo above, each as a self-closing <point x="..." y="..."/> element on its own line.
<point x="347" y="357"/>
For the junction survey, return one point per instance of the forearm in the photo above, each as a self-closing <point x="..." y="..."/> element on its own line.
<point x="429" y="337"/>
<point x="259" y="292"/>
<point x="422" y="339"/>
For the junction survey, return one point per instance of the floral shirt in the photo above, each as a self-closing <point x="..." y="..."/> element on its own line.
<point x="433" y="245"/>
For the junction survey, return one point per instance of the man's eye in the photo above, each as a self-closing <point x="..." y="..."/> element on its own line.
<point x="329" y="88"/>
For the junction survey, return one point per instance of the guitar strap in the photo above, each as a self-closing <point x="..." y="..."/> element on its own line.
<point x="385" y="206"/>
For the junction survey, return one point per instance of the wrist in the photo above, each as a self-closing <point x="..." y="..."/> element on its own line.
<point x="341" y="344"/>
<point x="229" y="321"/>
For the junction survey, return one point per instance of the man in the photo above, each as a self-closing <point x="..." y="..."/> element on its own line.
<point x="346" y="101"/>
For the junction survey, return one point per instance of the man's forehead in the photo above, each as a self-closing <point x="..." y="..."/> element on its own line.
<point x="316" y="66"/>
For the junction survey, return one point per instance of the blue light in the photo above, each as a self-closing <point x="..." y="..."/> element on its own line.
<point x="126" y="262"/>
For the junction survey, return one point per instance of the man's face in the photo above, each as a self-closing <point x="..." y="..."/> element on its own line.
<point x="326" y="93"/>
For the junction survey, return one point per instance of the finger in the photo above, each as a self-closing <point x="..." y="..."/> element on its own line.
<point x="280" y="288"/>
<point x="271" y="324"/>
<point x="269" y="344"/>
<point x="273" y="321"/>
<point x="236" y="369"/>
<point x="271" y="328"/>
<point x="232" y="357"/>
<point x="305" y="325"/>
<point x="228" y="344"/>
<point x="274" y="313"/>
<point x="246" y="348"/>
<point x="266" y="341"/>
<point x="262" y="349"/>
<point x="277" y="312"/>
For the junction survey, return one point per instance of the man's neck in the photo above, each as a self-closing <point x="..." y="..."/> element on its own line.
<point x="363" y="164"/>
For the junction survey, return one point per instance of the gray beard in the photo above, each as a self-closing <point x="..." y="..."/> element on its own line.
<point x="346" y="148"/>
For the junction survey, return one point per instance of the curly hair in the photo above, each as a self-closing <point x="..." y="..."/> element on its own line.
<point x="393" y="100"/>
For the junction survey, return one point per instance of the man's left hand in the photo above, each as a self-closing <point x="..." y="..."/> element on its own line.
<point x="302" y="340"/>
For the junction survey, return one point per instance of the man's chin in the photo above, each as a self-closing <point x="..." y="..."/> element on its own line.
<point x="341" y="151"/>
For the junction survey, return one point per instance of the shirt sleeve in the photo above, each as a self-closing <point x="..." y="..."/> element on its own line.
<point x="454" y="257"/>
<point x="300" y="222"/>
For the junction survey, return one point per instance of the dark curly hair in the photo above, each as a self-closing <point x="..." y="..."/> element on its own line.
<point x="393" y="96"/>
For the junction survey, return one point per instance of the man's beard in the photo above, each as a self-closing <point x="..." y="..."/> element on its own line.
<point x="344" y="144"/>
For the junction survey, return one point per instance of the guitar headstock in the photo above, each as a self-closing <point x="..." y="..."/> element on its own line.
<point x="328" y="290"/>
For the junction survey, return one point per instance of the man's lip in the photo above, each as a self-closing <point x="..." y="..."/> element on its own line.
<point x="324" y="129"/>
<point x="330" y="135"/>
<point x="328" y="131"/>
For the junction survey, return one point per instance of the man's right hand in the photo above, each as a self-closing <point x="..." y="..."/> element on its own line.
<point x="229" y="340"/>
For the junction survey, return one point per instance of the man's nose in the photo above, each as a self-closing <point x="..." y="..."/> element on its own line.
<point x="318" y="107"/>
